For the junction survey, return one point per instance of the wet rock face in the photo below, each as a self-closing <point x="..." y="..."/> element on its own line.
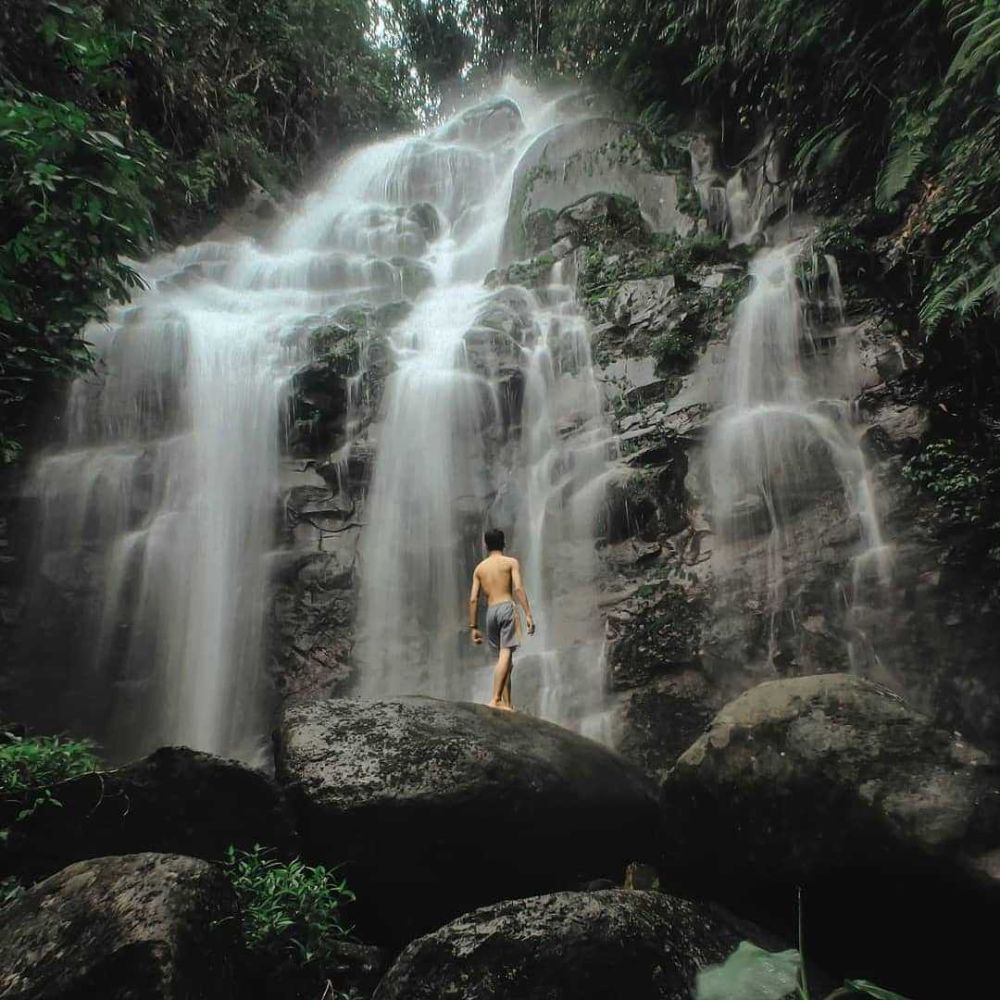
<point x="572" y="945"/>
<point x="449" y="806"/>
<point x="484" y="124"/>
<point x="588" y="157"/>
<point x="176" y="800"/>
<point x="662" y="718"/>
<point x="155" y="926"/>
<point x="845" y="747"/>
<point x="833" y="784"/>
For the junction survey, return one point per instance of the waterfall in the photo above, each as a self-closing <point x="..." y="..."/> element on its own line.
<point x="783" y="444"/>
<point x="160" y="506"/>
<point x="493" y="417"/>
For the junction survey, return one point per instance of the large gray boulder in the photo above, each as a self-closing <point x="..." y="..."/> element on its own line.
<point x="176" y="801"/>
<point x="140" y="927"/>
<point x="588" y="156"/>
<point x="567" y="946"/>
<point x="437" y="807"/>
<point x="833" y="784"/>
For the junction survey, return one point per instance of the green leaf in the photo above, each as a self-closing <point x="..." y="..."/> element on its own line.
<point x="750" y="973"/>
<point x="870" y="989"/>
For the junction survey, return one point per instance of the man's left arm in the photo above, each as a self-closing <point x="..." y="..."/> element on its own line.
<point x="477" y="637"/>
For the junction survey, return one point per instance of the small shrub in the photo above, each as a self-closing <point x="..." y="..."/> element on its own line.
<point x="962" y="484"/>
<point x="30" y="765"/>
<point x="291" y="911"/>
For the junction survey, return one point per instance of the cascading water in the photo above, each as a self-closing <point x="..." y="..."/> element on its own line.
<point x="163" y="498"/>
<point x="493" y="416"/>
<point x="783" y="442"/>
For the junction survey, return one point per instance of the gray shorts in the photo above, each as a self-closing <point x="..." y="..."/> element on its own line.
<point x="502" y="626"/>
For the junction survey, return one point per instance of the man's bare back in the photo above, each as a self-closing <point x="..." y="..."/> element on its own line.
<point x="498" y="578"/>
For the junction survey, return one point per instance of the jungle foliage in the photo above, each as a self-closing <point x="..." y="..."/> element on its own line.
<point x="890" y="108"/>
<point x="125" y="121"/>
<point x="31" y="765"/>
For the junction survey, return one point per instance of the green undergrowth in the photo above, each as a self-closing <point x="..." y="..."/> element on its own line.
<point x="126" y="122"/>
<point x="965" y="486"/>
<point x="291" y="912"/>
<point x="30" y="765"/>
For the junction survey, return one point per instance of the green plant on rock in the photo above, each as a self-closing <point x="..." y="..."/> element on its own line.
<point x="530" y="273"/>
<point x="30" y="765"/>
<point x="291" y="911"/>
<point x="10" y="890"/>
<point x="964" y="485"/>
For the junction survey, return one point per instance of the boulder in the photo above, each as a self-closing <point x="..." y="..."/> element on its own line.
<point x="832" y="784"/>
<point x="590" y="156"/>
<point x="149" y="926"/>
<point x="175" y="800"/>
<point x="572" y="945"/>
<point x="598" y="218"/>
<point x="485" y="124"/>
<point x="437" y="807"/>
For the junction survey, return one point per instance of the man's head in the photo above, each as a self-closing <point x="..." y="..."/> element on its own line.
<point x="494" y="540"/>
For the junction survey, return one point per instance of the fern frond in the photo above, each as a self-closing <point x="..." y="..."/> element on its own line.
<point x="905" y="158"/>
<point x="821" y="152"/>
<point x="966" y="282"/>
<point x="978" y="26"/>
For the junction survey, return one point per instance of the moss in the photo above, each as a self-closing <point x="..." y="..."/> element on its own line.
<point x="688" y="201"/>
<point x="530" y="272"/>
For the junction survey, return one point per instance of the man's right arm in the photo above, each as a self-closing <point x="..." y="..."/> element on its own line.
<point x="520" y="596"/>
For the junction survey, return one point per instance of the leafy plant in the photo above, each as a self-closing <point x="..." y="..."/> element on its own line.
<point x="30" y="765"/>
<point x="962" y="484"/>
<point x="124" y="122"/>
<point x="977" y="23"/>
<point x="290" y="910"/>
<point x="10" y="889"/>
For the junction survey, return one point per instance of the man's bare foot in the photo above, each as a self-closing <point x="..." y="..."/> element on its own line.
<point x="501" y="706"/>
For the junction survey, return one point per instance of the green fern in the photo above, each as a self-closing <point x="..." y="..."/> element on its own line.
<point x="823" y="150"/>
<point x="909" y="148"/>
<point x="977" y="23"/>
<point x="966" y="284"/>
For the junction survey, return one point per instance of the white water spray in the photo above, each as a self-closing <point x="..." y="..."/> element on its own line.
<point x="163" y="498"/>
<point x="779" y="445"/>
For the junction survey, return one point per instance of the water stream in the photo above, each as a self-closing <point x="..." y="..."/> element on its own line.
<point x="785" y="442"/>
<point x="163" y="498"/>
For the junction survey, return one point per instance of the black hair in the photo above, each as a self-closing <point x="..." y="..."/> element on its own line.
<point x="494" y="540"/>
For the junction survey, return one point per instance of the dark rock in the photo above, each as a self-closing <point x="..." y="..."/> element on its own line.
<point x="572" y="945"/>
<point x="139" y="927"/>
<point x="539" y="231"/>
<point x="350" y="969"/>
<point x="425" y="215"/>
<point x="833" y="784"/>
<point x="661" y="719"/>
<point x="436" y="807"/>
<point x="175" y="800"/>
<point x="659" y="632"/>
<point x="600" y="217"/>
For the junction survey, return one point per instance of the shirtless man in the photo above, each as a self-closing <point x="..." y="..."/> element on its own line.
<point x="499" y="577"/>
